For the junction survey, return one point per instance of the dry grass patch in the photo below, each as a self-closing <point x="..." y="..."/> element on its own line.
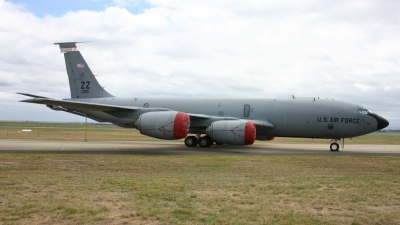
<point x="97" y="189"/>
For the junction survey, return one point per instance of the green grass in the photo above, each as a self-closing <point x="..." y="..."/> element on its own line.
<point x="93" y="189"/>
<point x="67" y="131"/>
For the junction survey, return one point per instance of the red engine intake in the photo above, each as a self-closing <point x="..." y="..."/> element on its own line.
<point x="249" y="133"/>
<point x="181" y="125"/>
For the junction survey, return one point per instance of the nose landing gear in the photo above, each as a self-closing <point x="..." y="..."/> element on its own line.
<point x="335" y="146"/>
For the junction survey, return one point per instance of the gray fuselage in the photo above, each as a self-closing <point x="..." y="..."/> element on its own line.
<point x="302" y="117"/>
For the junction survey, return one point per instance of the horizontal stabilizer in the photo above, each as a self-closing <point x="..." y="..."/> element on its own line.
<point x="30" y="95"/>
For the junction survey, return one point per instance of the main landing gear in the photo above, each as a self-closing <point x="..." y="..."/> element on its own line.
<point x="191" y="141"/>
<point x="204" y="142"/>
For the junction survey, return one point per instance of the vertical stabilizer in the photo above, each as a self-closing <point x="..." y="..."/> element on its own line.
<point x="82" y="82"/>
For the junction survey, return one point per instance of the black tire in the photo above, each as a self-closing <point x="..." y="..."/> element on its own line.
<point x="205" y="142"/>
<point x="191" y="141"/>
<point x="334" y="147"/>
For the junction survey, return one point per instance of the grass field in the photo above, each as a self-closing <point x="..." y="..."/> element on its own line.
<point x="13" y="130"/>
<point x="61" y="131"/>
<point x="112" y="189"/>
<point x="128" y="189"/>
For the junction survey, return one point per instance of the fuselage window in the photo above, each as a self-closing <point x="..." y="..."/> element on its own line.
<point x="146" y="105"/>
<point x="246" y="110"/>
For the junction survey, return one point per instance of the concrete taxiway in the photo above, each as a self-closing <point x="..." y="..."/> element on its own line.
<point x="178" y="148"/>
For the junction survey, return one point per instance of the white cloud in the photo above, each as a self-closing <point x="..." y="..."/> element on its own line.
<point x="364" y="87"/>
<point x="345" y="50"/>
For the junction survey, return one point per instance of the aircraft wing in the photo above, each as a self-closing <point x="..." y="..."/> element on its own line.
<point x="81" y="105"/>
<point x="261" y="124"/>
<point x="199" y="116"/>
<point x="112" y="109"/>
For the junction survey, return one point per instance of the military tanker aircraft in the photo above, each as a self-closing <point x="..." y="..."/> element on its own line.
<point x="210" y="120"/>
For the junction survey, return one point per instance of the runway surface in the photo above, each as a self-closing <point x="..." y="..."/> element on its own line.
<point x="178" y="148"/>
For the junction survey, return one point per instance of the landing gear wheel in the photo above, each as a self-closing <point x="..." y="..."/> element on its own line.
<point x="191" y="141"/>
<point x="334" y="147"/>
<point x="205" y="142"/>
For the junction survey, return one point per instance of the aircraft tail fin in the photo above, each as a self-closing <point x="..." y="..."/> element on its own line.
<point x="82" y="82"/>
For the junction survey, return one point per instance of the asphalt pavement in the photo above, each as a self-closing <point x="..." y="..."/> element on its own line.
<point x="178" y="148"/>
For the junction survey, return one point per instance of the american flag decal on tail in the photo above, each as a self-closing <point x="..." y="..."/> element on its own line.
<point x="80" y="65"/>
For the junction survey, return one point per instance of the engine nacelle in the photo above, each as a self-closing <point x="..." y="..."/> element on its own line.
<point x="169" y="125"/>
<point x="235" y="132"/>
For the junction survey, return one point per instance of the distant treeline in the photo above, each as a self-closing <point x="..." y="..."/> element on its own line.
<point x="389" y="131"/>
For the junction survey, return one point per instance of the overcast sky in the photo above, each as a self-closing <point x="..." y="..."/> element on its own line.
<point x="345" y="50"/>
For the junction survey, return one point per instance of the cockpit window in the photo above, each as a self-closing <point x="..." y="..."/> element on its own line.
<point x="365" y="111"/>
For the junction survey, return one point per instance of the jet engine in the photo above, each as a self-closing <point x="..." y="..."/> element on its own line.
<point x="167" y="125"/>
<point x="235" y="132"/>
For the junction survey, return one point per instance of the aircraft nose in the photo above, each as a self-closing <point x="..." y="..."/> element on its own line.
<point x="382" y="122"/>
